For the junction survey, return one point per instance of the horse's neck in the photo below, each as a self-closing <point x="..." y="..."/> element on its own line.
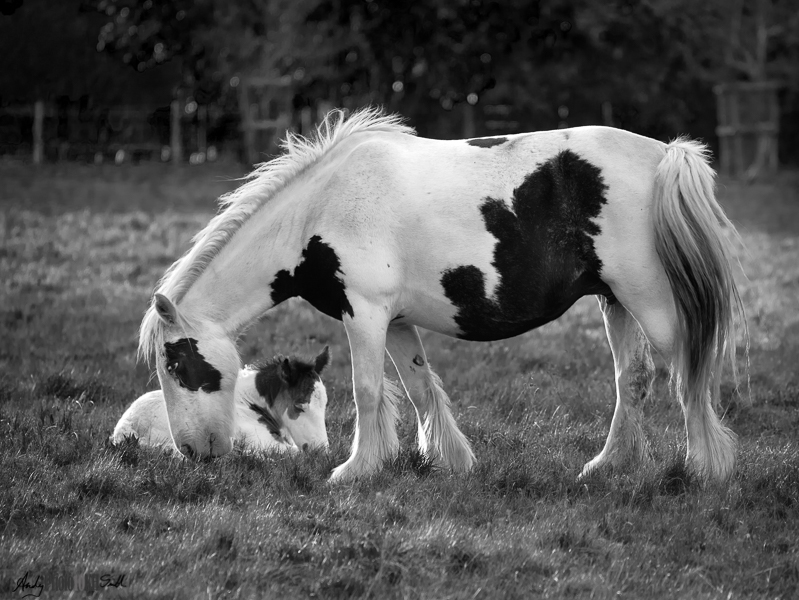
<point x="234" y="288"/>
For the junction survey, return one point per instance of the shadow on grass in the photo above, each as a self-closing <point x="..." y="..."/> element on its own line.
<point x="412" y="461"/>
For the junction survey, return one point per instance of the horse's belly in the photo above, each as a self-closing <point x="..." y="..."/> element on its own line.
<point x="433" y="314"/>
<point x="483" y="330"/>
<point x="464" y="311"/>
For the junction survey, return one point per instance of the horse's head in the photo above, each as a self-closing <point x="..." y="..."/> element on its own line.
<point x="197" y="368"/>
<point x="296" y="398"/>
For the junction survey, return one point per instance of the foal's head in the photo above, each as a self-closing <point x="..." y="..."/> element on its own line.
<point x="295" y="398"/>
<point x="197" y="367"/>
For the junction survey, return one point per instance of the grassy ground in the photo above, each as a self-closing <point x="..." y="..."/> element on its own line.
<point x="80" y="251"/>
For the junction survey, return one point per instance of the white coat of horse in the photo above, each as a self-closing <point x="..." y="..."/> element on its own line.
<point x="279" y="406"/>
<point x="481" y="239"/>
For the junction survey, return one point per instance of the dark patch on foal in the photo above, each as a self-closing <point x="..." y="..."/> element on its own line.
<point x="293" y="375"/>
<point x="544" y="254"/>
<point x="189" y="367"/>
<point x="316" y="279"/>
<point x="265" y="418"/>
<point x="487" y="142"/>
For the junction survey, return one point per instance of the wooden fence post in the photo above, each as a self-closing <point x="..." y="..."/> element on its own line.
<point x="38" y="132"/>
<point x="247" y="122"/>
<point x="469" y="128"/>
<point x="265" y="106"/>
<point x="175" y="142"/>
<point x="748" y="127"/>
<point x="202" y="132"/>
<point x="306" y="121"/>
<point x="607" y="113"/>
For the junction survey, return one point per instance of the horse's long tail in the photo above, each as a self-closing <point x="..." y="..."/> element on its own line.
<point x="696" y="253"/>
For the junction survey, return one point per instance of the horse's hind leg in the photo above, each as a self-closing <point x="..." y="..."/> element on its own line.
<point x="375" y="437"/>
<point x="634" y="374"/>
<point x="711" y="445"/>
<point x="439" y="436"/>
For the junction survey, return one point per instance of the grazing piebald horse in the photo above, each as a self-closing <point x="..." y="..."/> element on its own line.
<point x="481" y="239"/>
<point x="279" y="405"/>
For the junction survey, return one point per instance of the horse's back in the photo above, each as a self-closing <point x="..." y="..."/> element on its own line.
<point x="401" y="186"/>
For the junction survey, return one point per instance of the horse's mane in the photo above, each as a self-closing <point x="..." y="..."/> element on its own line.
<point x="236" y="207"/>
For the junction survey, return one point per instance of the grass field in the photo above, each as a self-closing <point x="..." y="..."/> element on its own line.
<point x="80" y="251"/>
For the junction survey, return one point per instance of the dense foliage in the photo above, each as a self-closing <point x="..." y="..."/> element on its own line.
<point x="647" y="65"/>
<point x="498" y="65"/>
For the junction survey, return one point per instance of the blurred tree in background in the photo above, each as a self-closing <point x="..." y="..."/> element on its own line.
<point x="49" y="50"/>
<point x="464" y="67"/>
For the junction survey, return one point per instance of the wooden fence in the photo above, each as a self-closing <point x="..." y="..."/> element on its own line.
<point x="174" y="133"/>
<point x="748" y="127"/>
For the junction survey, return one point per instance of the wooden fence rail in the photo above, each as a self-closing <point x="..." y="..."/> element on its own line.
<point x="111" y="132"/>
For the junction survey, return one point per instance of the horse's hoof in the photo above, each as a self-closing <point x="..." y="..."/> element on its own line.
<point x="592" y="466"/>
<point x="346" y="472"/>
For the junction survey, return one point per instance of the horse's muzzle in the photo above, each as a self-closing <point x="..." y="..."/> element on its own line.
<point x="188" y="451"/>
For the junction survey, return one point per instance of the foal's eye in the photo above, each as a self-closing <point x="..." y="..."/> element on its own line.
<point x="171" y="367"/>
<point x="299" y="408"/>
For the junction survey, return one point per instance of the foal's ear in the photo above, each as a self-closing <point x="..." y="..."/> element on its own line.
<point x="322" y="360"/>
<point x="285" y="370"/>
<point x="165" y="309"/>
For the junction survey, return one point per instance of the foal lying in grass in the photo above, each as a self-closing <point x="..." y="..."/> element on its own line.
<point x="280" y="406"/>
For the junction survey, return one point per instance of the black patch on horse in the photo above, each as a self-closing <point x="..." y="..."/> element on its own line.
<point x="544" y="254"/>
<point x="487" y="142"/>
<point x="316" y="279"/>
<point x="189" y="367"/>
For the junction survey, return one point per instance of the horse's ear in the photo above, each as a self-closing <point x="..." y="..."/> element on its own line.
<point x="322" y="360"/>
<point x="165" y="309"/>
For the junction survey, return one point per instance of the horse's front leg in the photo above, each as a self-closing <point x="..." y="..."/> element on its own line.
<point x="439" y="437"/>
<point x="375" y="427"/>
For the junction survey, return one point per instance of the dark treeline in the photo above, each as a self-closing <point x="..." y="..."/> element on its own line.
<point x="453" y="67"/>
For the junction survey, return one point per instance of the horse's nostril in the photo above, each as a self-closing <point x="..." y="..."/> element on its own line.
<point x="305" y="447"/>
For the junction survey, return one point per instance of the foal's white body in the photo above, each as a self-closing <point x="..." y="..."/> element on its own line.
<point x="147" y="420"/>
<point x="402" y="213"/>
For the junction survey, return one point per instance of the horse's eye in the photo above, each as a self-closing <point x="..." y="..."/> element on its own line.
<point x="172" y="367"/>
<point x="299" y="408"/>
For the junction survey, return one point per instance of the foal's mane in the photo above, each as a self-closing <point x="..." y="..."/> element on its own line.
<point x="236" y="207"/>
